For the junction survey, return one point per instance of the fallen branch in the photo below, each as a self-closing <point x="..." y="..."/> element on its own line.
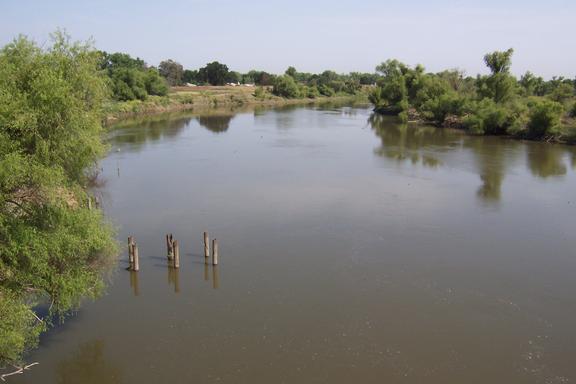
<point x="18" y="371"/>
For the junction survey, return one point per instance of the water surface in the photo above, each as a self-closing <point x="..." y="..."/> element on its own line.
<point x="352" y="249"/>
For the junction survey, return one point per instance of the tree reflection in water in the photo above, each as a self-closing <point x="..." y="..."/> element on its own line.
<point x="89" y="366"/>
<point x="546" y="160"/>
<point x="215" y="123"/>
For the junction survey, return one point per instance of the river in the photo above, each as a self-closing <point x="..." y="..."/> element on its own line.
<point x="352" y="249"/>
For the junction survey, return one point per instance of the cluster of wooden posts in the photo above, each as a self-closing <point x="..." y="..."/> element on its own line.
<point x="173" y="252"/>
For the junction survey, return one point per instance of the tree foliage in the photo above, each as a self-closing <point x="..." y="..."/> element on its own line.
<point x="130" y="78"/>
<point x="544" y="119"/>
<point x="171" y="71"/>
<point x="50" y="134"/>
<point x="285" y="86"/>
<point x="496" y="104"/>
<point x="214" y="73"/>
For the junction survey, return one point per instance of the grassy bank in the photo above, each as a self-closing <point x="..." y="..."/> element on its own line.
<point x="191" y="98"/>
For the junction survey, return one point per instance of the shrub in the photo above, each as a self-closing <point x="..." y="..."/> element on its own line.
<point x="544" y="119"/>
<point x="285" y="86"/>
<point x="438" y="108"/>
<point x="326" y="90"/>
<point x="259" y="93"/>
<point x="487" y="117"/>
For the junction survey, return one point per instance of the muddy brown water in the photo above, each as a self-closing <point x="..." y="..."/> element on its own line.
<point x="352" y="249"/>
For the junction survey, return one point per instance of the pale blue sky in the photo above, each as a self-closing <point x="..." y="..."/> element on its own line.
<point x="312" y="35"/>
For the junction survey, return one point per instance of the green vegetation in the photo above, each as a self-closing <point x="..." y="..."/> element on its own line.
<point x="294" y="84"/>
<point x="494" y="104"/>
<point x="171" y="71"/>
<point x="131" y="79"/>
<point x="52" y="247"/>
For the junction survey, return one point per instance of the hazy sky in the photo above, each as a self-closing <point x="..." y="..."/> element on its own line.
<point x="312" y="35"/>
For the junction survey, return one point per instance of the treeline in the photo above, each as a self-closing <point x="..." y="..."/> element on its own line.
<point x="294" y="84"/>
<point x="494" y="104"/>
<point x="132" y="79"/>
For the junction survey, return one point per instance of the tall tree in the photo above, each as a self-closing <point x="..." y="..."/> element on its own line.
<point x="171" y="71"/>
<point x="214" y="73"/>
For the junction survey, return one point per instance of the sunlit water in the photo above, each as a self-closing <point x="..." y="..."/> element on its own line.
<point x="352" y="249"/>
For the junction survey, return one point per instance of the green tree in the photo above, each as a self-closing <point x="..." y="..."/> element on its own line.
<point x="562" y="93"/>
<point x="171" y="71"/>
<point x="190" y="76"/>
<point x="51" y="244"/>
<point x="292" y="72"/>
<point x="499" y="62"/>
<point x="285" y="86"/>
<point x="214" y="73"/>
<point x="154" y="83"/>
<point x="500" y="85"/>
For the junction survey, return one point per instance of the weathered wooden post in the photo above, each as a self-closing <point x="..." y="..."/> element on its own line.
<point x="170" y="246"/>
<point x="131" y="244"/>
<point x="206" y="245"/>
<point x="136" y="266"/>
<point x="176" y="255"/>
<point x="89" y="203"/>
<point x="214" y="252"/>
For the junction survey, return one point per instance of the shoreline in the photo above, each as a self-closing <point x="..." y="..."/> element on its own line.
<point x="219" y="97"/>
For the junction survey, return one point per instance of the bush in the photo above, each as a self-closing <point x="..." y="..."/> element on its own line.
<point x="544" y="119"/>
<point x="285" y="86"/>
<point x="155" y="84"/>
<point x="312" y="92"/>
<point x="259" y="93"/>
<point x="437" y="109"/>
<point x="489" y="118"/>
<point x="326" y="90"/>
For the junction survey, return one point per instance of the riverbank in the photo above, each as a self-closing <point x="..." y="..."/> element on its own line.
<point x="190" y="98"/>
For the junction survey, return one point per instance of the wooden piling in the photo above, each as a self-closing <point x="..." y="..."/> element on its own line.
<point x="131" y="251"/>
<point x="136" y="266"/>
<point x="170" y="246"/>
<point x="214" y="252"/>
<point x="176" y="255"/>
<point x="89" y="203"/>
<point x="206" y="245"/>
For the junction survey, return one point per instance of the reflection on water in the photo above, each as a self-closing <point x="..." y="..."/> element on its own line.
<point x="490" y="156"/>
<point x="152" y="130"/>
<point x="206" y="271"/>
<point x="134" y="283"/>
<point x="547" y="161"/>
<point x="174" y="278"/>
<point x="215" y="277"/>
<point x="416" y="144"/>
<point x="89" y="365"/>
<point x="215" y="123"/>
